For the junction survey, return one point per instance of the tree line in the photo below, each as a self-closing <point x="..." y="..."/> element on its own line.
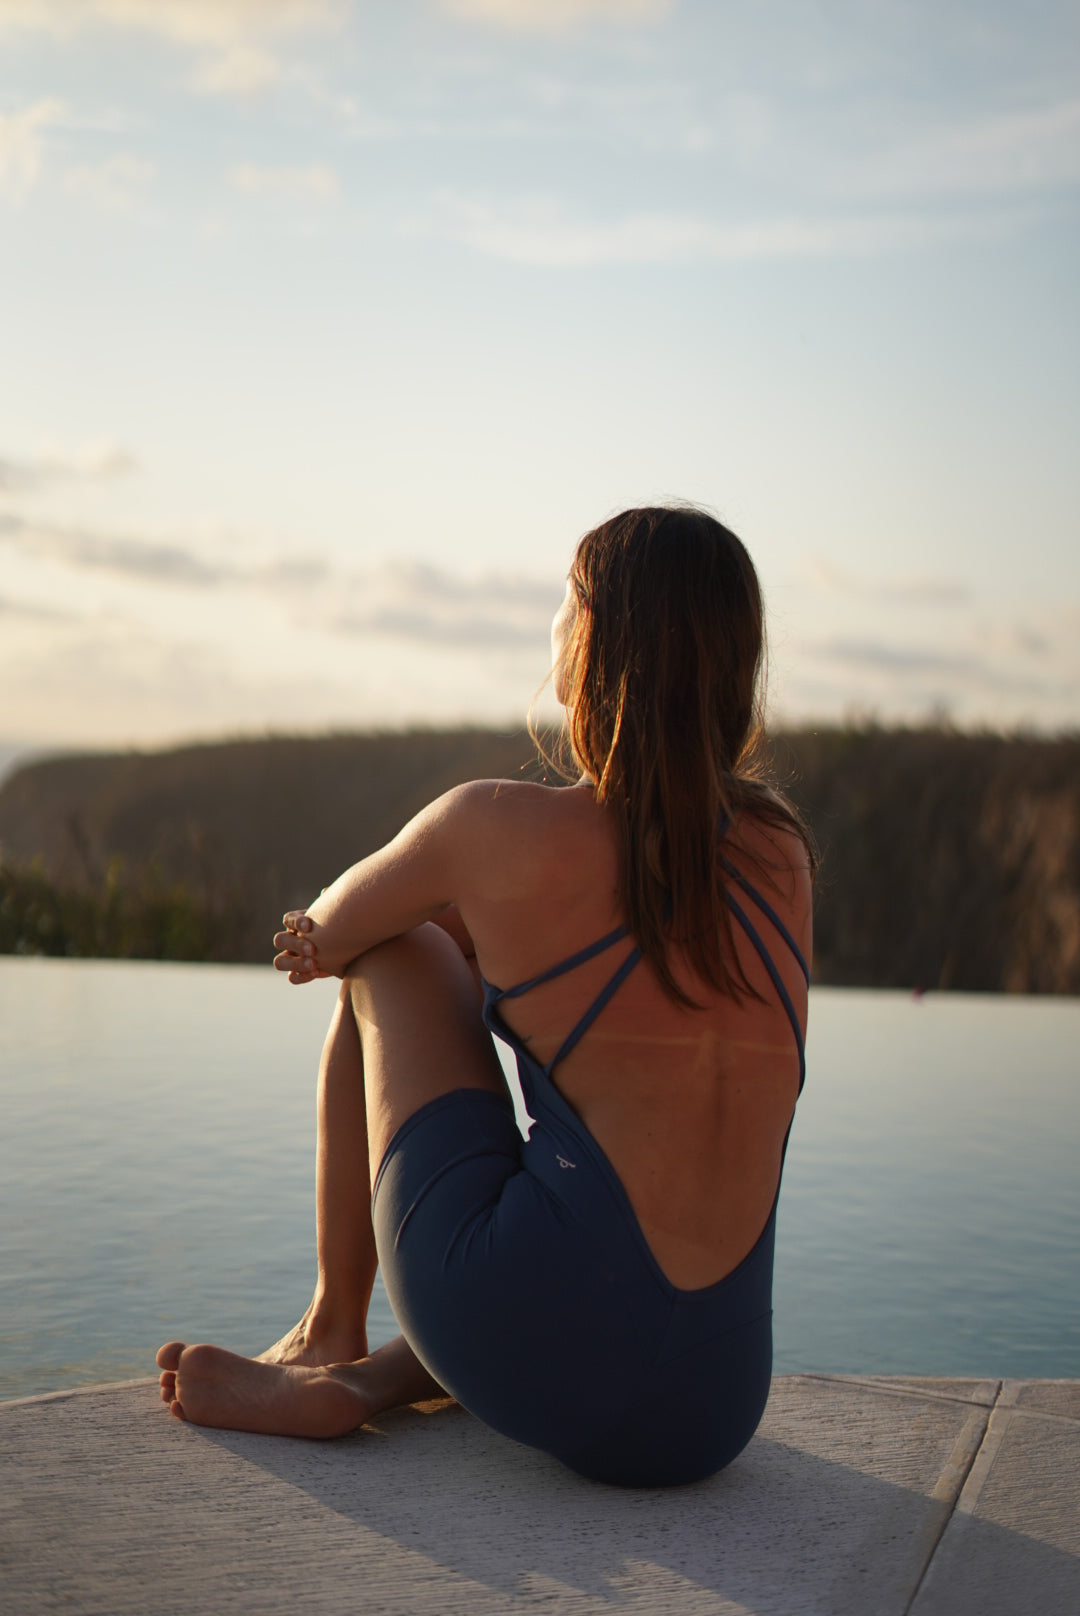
<point x="948" y="860"/>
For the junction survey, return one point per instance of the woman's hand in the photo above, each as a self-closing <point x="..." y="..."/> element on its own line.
<point x="297" y="948"/>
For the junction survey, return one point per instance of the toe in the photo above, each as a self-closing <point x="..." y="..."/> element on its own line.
<point x="169" y="1355"/>
<point x="175" y="1408"/>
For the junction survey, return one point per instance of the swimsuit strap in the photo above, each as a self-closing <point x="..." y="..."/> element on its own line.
<point x="767" y="909"/>
<point x="606" y="994"/>
<point x="777" y="980"/>
<point x="561" y="969"/>
<point x="494" y="995"/>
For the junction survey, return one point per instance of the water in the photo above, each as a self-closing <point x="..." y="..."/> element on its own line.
<point x="156" y="1176"/>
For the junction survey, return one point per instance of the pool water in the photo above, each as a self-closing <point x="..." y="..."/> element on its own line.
<point x="157" y="1132"/>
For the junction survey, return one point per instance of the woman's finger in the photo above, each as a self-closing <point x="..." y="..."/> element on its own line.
<point x="296" y="920"/>
<point x="289" y="942"/>
<point x="300" y="967"/>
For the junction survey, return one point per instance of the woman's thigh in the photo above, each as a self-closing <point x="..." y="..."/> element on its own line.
<point x="418" y="1013"/>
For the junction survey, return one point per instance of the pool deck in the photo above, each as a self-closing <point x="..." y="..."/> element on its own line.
<point x="868" y="1496"/>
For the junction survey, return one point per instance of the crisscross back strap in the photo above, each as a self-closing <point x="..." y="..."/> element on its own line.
<point x="493" y="994"/>
<point x="563" y="966"/>
<point x="606" y="994"/>
<point x="768" y="910"/>
<point x="770" y="965"/>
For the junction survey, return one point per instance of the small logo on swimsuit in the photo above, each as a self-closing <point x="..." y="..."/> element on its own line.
<point x="563" y="1163"/>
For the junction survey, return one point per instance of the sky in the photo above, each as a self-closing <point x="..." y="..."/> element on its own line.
<point x="326" y="329"/>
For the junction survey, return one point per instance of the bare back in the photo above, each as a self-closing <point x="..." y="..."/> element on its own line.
<point x="691" y="1106"/>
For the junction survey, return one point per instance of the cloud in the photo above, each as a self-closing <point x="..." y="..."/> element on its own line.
<point x="553" y="16"/>
<point x="474" y="633"/>
<point x="32" y="612"/>
<point x="289" y="182"/>
<point x="190" y="22"/>
<point x="538" y="231"/>
<point x="894" y="659"/>
<point x="21" y="146"/>
<point x="426" y="605"/>
<point x="34" y="474"/>
<point x="241" y="70"/>
<point x="911" y="672"/>
<point x="411" y="602"/>
<point x="115" y="185"/>
<point x="1033" y="150"/>
<point x="117" y="683"/>
<point x="903" y="590"/>
<point x="229" y="35"/>
<point x="94" y="552"/>
<point x="506" y="591"/>
<point x="152" y="562"/>
<point x="1015" y="662"/>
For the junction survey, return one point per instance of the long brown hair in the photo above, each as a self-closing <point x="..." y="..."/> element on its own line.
<point x="662" y="684"/>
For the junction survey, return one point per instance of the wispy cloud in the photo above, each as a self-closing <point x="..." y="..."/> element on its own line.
<point x="192" y="22"/>
<point x="238" y="70"/>
<point x="289" y="182"/>
<point x="904" y="589"/>
<point x="540" y="231"/>
<point x="22" y="146"/>
<point x="429" y="606"/>
<point x="99" y="683"/>
<point x="116" y="185"/>
<point x="1028" y="151"/>
<point x="554" y="16"/>
<point x="124" y="557"/>
<point x="892" y="658"/>
<point x="412" y="602"/>
<point x="30" y="611"/>
<point x="984" y="664"/>
<point x="462" y="632"/>
<point x="31" y="474"/>
<point x="232" y="38"/>
<point x="973" y="659"/>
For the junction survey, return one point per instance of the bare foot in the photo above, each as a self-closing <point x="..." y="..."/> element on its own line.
<point x="213" y="1387"/>
<point x="317" y="1345"/>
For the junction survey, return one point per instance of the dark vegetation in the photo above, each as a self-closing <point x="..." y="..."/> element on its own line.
<point x="948" y="860"/>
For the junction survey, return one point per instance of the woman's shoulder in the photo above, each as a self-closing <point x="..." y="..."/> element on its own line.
<point x="768" y="849"/>
<point x="493" y="800"/>
<point x="768" y="828"/>
<point x="489" y="803"/>
<point x="518" y="834"/>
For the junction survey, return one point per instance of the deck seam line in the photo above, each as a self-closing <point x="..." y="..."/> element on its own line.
<point x="62" y="1393"/>
<point x="860" y="1384"/>
<point x="951" y="1511"/>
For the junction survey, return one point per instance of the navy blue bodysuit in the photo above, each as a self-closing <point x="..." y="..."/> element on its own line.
<point x="520" y="1276"/>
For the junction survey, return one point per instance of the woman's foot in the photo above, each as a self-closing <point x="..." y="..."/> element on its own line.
<point x="213" y="1387"/>
<point x="210" y="1386"/>
<point x="316" y="1343"/>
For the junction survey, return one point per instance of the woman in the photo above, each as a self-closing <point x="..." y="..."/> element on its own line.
<point x="603" y="1290"/>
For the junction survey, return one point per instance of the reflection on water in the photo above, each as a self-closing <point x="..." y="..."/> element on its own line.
<point x="157" y="1179"/>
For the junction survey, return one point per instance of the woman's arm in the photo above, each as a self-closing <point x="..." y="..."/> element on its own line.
<point x="454" y="926"/>
<point x="416" y="877"/>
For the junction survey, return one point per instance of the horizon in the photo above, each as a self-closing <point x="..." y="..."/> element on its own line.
<point x="14" y="757"/>
<point x="330" y="327"/>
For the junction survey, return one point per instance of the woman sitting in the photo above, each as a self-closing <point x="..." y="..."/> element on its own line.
<point x="602" y="1289"/>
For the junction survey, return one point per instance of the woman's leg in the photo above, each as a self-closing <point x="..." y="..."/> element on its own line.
<point x="406" y="1030"/>
<point x="334" y="1328"/>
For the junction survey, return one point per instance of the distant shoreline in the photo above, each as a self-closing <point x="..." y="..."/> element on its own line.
<point x="949" y="859"/>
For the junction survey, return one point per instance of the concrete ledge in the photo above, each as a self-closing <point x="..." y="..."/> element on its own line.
<point x="861" y="1495"/>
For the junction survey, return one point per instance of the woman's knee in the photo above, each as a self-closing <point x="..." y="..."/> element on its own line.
<point x="417" y="955"/>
